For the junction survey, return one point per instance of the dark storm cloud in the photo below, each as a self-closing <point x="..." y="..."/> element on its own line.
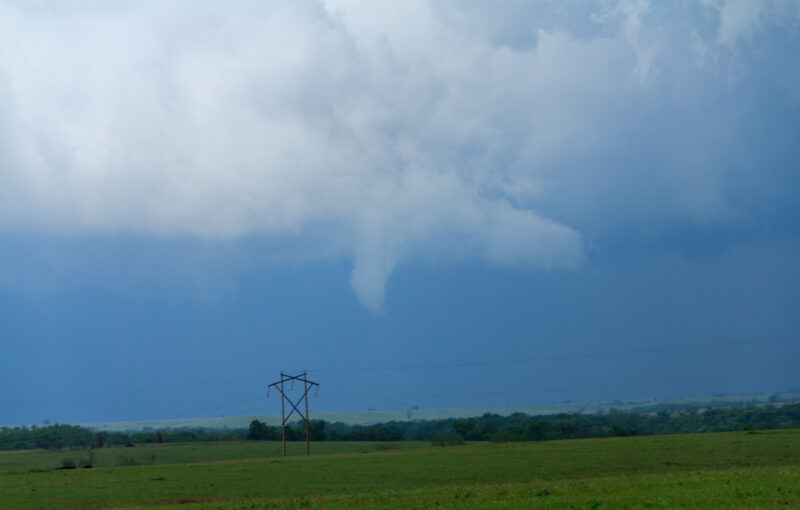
<point x="506" y="135"/>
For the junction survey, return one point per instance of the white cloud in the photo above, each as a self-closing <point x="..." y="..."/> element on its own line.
<point x="738" y="18"/>
<point x="631" y="13"/>
<point x="389" y="124"/>
<point x="742" y="19"/>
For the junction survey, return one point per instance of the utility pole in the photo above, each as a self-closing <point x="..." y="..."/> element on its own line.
<point x="307" y="385"/>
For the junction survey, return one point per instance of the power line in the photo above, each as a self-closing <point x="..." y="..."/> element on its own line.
<point x="644" y="382"/>
<point x="624" y="379"/>
<point x="730" y="371"/>
<point x="147" y="392"/>
<point x="540" y="359"/>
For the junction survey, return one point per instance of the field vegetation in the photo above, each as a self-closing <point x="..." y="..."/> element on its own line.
<point x="490" y="461"/>
<point x="179" y="453"/>
<point x="753" y="469"/>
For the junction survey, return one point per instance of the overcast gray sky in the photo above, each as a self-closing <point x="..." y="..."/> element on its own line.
<point x="385" y="182"/>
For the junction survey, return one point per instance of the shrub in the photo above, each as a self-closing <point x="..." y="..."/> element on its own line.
<point x="87" y="462"/>
<point x="123" y="460"/>
<point x="67" y="463"/>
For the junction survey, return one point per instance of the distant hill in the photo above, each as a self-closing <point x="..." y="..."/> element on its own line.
<point x="373" y="417"/>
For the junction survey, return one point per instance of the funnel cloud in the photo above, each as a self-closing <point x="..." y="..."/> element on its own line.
<point x="401" y="130"/>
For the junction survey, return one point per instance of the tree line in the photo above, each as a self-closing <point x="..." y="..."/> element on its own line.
<point x="523" y="427"/>
<point x="489" y="427"/>
<point x="58" y="437"/>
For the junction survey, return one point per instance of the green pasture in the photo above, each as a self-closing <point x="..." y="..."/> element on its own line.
<point x="774" y="487"/>
<point x="181" y="453"/>
<point x="724" y="470"/>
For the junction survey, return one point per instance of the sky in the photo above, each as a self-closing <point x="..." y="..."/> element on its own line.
<point x="421" y="203"/>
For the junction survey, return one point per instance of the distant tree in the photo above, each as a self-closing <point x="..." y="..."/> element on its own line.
<point x="159" y="437"/>
<point x="464" y="427"/>
<point x="100" y="439"/>
<point x="295" y="432"/>
<point x="316" y="430"/>
<point x="259" y="431"/>
<point x="616" y="430"/>
<point x="537" y="430"/>
<point x="490" y="424"/>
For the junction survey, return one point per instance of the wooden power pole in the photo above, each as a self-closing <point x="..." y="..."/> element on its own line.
<point x="307" y="385"/>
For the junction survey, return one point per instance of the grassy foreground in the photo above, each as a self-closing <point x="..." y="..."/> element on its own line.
<point x="728" y="470"/>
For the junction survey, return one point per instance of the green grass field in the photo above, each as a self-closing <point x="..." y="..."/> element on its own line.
<point x="726" y="470"/>
<point x="181" y="453"/>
